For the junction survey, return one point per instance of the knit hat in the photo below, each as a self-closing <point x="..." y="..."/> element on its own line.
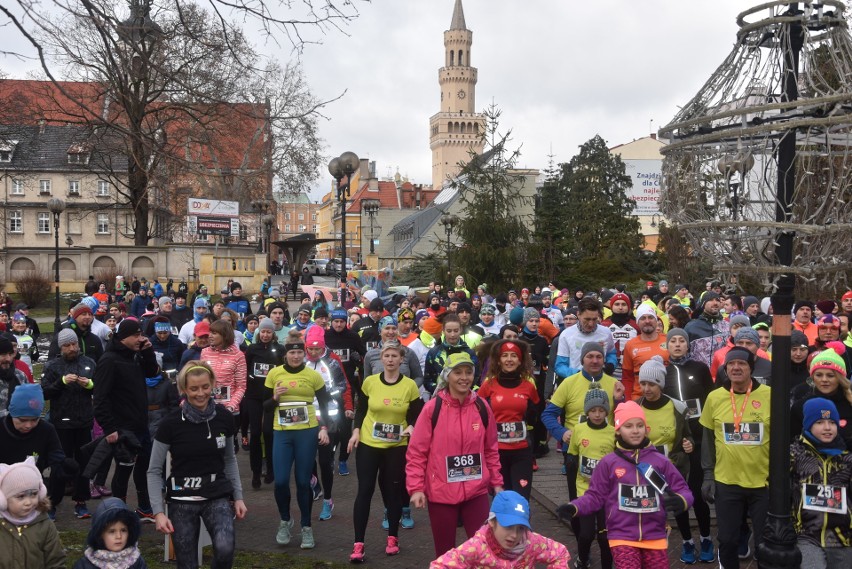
<point x="516" y="316"/>
<point x="162" y="327"/>
<point x="387" y="321"/>
<point x="529" y="314"/>
<point x="27" y="401"/>
<point x="645" y="310"/>
<point x="747" y="333"/>
<point x="830" y="358"/>
<point x="739" y="318"/>
<point x="829" y="321"/>
<point x="321" y="312"/>
<point x="66" y="336"/>
<point x="431" y="326"/>
<point x="265" y="324"/>
<point x="677" y="332"/>
<point x="376" y="305"/>
<point x="595" y="397"/>
<point x="199" y="302"/>
<point x="653" y="370"/>
<point x="740" y="353"/>
<point x="18" y="317"/>
<point x="128" y="327"/>
<point x="626" y="411"/>
<point x="370" y="295"/>
<point x="488" y="309"/>
<point x="590" y="347"/>
<point x="546" y="293"/>
<point x="18" y="478"/>
<point x="80" y="309"/>
<point x="749" y="300"/>
<point x="826" y="306"/>
<point x="798" y="339"/>
<point x="305" y="308"/>
<point x="816" y="409"/>
<point x="802" y="304"/>
<point x="6" y="346"/>
<point x="620" y="296"/>
<point x="405" y="314"/>
<point x="846" y="295"/>
<point x="235" y="285"/>
<point x="203" y="329"/>
<point x="464" y="307"/>
<point x="164" y="300"/>
<point x="339" y="314"/>
<point x="315" y="337"/>
<point x="709" y="295"/>
<point x="90" y="301"/>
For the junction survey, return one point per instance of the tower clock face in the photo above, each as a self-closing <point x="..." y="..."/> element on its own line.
<point x="461" y="94"/>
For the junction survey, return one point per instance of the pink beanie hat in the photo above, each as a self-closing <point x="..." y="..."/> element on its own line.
<point x="315" y="337"/>
<point x="626" y="411"/>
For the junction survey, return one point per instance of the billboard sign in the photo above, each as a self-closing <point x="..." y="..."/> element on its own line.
<point x="645" y="175"/>
<point x="213" y="217"/>
<point x="215" y="225"/>
<point x="212" y="208"/>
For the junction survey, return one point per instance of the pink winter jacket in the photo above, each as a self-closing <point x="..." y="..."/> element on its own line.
<point x="229" y="365"/>
<point x="458" y="431"/>
<point x="476" y="553"/>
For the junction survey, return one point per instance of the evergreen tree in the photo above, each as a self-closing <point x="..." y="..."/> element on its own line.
<point x="494" y="236"/>
<point x="547" y="259"/>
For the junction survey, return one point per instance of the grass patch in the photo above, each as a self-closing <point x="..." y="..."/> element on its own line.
<point x="151" y="545"/>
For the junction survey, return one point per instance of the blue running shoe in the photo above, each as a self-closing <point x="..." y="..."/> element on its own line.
<point x="708" y="551"/>
<point x="343" y="468"/>
<point x="687" y="554"/>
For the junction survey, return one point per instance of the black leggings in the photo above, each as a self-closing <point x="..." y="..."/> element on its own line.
<point x="699" y="506"/>
<point x="218" y="518"/>
<point x="593" y="527"/>
<point x="325" y="458"/>
<point x="252" y="412"/>
<point x="388" y="465"/>
<point x="571" y="468"/>
<point x="517" y="471"/>
<point x="344" y="435"/>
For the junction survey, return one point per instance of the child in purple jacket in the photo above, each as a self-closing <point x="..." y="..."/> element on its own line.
<point x="636" y="485"/>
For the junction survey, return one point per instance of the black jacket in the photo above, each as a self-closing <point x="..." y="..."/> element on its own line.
<point x="260" y="359"/>
<point x="90" y="345"/>
<point x="350" y="349"/>
<point x="42" y="442"/>
<point x="70" y="405"/>
<point x="121" y="395"/>
<point x="687" y="381"/>
<point x="99" y="453"/>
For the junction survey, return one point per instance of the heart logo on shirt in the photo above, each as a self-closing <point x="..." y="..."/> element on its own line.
<point x="386" y="401"/>
<point x="755" y="404"/>
<point x="294" y="384"/>
<point x="842" y="423"/>
<point x="523" y="483"/>
<point x="619" y="472"/>
<point x="499" y="398"/>
<point x="585" y="442"/>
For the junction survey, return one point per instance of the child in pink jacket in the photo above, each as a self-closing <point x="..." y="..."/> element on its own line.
<point x="506" y="541"/>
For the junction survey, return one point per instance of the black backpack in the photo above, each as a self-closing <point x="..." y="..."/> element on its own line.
<point x="480" y="406"/>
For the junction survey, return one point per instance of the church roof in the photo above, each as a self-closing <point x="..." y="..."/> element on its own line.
<point x="458" y="17"/>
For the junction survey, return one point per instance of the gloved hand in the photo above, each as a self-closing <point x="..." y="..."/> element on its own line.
<point x="566" y="512"/>
<point x="673" y="503"/>
<point x="708" y="491"/>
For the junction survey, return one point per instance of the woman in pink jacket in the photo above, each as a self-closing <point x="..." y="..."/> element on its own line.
<point x="452" y="459"/>
<point x="229" y="365"/>
<point x="506" y="541"/>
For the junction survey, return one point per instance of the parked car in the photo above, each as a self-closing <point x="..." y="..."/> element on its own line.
<point x="333" y="266"/>
<point x="316" y="266"/>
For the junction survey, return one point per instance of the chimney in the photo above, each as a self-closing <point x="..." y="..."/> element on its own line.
<point x="41" y="123"/>
<point x="365" y="168"/>
<point x="654" y="135"/>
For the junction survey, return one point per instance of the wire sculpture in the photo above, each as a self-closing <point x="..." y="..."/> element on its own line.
<point x="721" y="167"/>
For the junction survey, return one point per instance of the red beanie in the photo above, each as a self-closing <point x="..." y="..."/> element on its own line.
<point x="626" y="411"/>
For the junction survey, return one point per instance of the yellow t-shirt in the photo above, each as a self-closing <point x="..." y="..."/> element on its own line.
<point x="742" y="458"/>
<point x="590" y="445"/>
<point x="387" y="406"/>
<point x="662" y="424"/>
<point x="296" y="407"/>
<point x="571" y="396"/>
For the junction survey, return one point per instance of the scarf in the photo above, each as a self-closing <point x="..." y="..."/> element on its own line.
<point x="509" y="380"/>
<point x="154" y="381"/>
<point x="626" y="446"/>
<point x="834" y="448"/>
<point x="193" y="415"/>
<point x="105" y="559"/>
<point x="679" y="361"/>
<point x="498" y="550"/>
<point x="620" y="319"/>
<point x="28" y="519"/>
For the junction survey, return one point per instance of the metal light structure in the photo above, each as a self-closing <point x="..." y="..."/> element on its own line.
<point x="343" y="167"/>
<point x="757" y="176"/>
<point x="371" y="208"/>
<point x="449" y="221"/>
<point x="56" y="207"/>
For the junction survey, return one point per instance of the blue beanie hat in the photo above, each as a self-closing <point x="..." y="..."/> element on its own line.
<point x="27" y="401"/>
<point x="199" y="302"/>
<point x="516" y="316"/>
<point x="339" y="314"/>
<point x="816" y="409"/>
<point x="91" y="302"/>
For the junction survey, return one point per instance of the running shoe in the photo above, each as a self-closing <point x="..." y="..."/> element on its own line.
<point x="744" y="547"/>
<point x="255" y="481"/>
<point x="343" y="468"/>
<point x="269" y="477"/>
<point x="392" y="548"/>
<point x="283" y="535"/>
<point x="327" y="508"/>
<point x="94" y="491"/>
<point x="535" y="465"/>
<point x="687" y="554"/>
<point x="406" y="521"/>
<point x="146" y="515"/>
<point x="357" y="553"/>
<point x="708" y="551"/>
<point x="385" y="525"/>
<point x="315" y="488"/>
<point x="245" y="443"/>
<point x="308" y="538"/>
<point x="81" y="511"/>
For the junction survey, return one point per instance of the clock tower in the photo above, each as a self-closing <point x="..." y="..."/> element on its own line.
<point x="456" y="128"/>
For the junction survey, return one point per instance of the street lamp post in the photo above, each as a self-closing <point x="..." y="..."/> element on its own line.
<point x="343" y="167"/>
<point x="56" y="207"/>
<point x="449" y="222"/>
<point x="371" y="208"/>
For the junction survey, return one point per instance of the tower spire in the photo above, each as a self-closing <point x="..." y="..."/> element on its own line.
<point x="458" y="17"/>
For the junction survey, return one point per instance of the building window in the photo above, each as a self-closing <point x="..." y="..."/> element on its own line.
<point x="5" y="155"/>
<point x="103" y="223"/>
<point x="287" y="216"/>
<point x="243" y="232"/>
<point x="301" y="217"/>
<point x="103" y="189"/>
<point x="44" y="186"/>
<point x="302" y="228"/>
<point x="313" y="217"/>
<point x="16" y="224"/>
<point x="315" y="229"/>
<point x="287" y="228"/>
<point x="73" y="187"/>
<point x="78" y="157"/>
<point x="43" y="222"/>
<point x="17" y="187"/>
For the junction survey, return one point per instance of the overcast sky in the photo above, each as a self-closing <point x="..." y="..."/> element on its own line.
<point x="561" y="71"/>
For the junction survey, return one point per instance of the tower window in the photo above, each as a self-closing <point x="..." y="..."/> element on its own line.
<point x="463" y="128"/>
<point x="461" y="58"/>
<point x="452" y="58"/>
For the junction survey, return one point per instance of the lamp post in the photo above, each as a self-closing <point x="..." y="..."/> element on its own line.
<point x="371" y="208"/>
<point x="343" y="167"/>
<point x="449" y="222"/>
<point x="56" y="207"/>
<point x="261" y="207"/>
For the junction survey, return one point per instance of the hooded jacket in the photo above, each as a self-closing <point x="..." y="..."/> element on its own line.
<point x="33" y="545"/>
<point x="70" y="404"/>
<point x="706" y="335"/>
<point x="458" y="431"/>
<point x="438" y="355"/>
<point x="120" y="395"/>
<point x="619" y="468"/>
<point x="109" y="511"/>
<point x="350" y="349"/>
<point x="476" y="552"/>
